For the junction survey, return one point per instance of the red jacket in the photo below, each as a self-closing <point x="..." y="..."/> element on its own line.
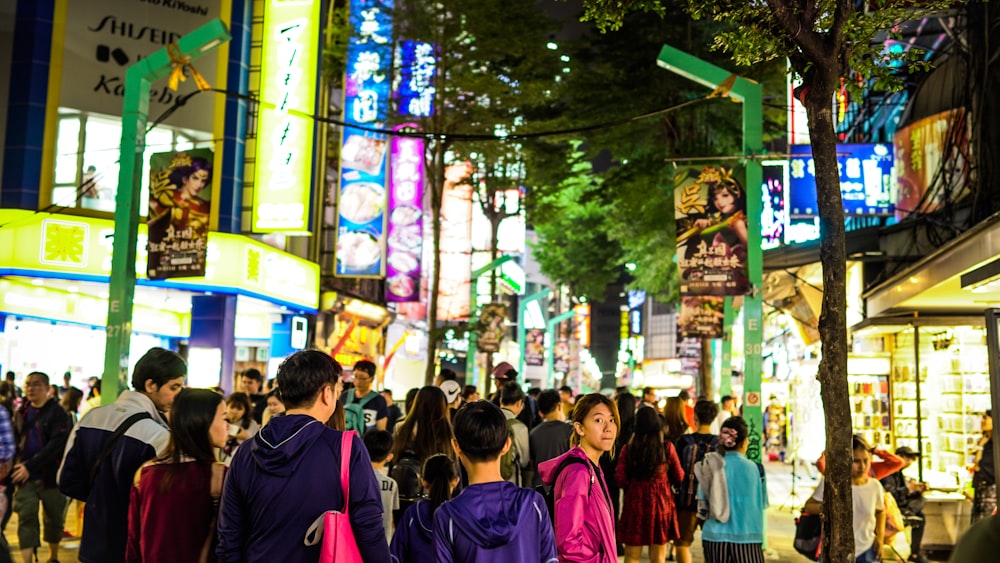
<point x="887" y="464"/>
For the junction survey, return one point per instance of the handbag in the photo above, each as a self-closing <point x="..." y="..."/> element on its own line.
<point x="809" y="535"/>
<point x="333" y="527"/>
<point x="894" y="522"/>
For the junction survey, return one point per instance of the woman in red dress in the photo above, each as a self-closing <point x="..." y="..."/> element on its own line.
<point x="647" y="466"/>
<point x="173" y="509"/>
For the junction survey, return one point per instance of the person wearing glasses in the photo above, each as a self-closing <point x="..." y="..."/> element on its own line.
<point x="372" y="404"/>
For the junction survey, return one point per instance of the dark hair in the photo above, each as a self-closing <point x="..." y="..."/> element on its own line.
<point x="534" y="392"/>
<point x="727" y="399"/>
<point x="481" y="431"/>
<point x="511" y="393"/>
<point x="254" y="374"/>
<point x="366" y="366"/>
<point x="730" y="186"/>
<point x="583" y="407"/>
<point x="647" y="390"/>
<point x="95" y="388"/>
<point x="626" y="403"/>
<point x="276" y="393"/>
<point x="378" y="443"/>
<point x="43" y="375"/>
<point x="859" y="443"/>
<point x="674" y="418"/>
<point x="191" y="418"/>
<point x="705" y="411"/>
<point x="159" y="366"/>
<point x="448" y="375"/>
<point x="469" y="391"/>
<point x="408" y="400"/>
<point x="646" y="450"/>
<point x="303" y="375"/>
<point x="566" y="389"/>
<point x="242" y="400"/>
<point x="10" y="375"/>
<point x="71" y="400"/>
<point x="387" y="392"/>
<point x="439" y="471"/>
<point x="684" y="395"/>
<point x="179" y="173"/>
<point x="548" y="401"/>
<point x="736" y="424"/>
<point x="427" y="428"/>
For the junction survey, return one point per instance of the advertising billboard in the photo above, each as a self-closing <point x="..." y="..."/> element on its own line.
<point x="701" y="317"/>
<point x="415" y="91"/>
<point x="710" y="210"/>
<point x="361" y="203"/>
<point x="406" y="217"/>
<point x="456" y="244"/>
<point x="932" y="162"/>
<point x="865" y="180"/>
<point x="179" y="210"/>
<point x="283" y="172"/>
<point x="773" y="211"/>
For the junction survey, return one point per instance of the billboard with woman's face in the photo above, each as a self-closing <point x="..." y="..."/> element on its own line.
<point x="179" y="210"/>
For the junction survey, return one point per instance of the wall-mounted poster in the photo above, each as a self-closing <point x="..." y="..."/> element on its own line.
<point x="179" y="209"/>
<point x="710" y="210"/>
<point x="701" y="316"/>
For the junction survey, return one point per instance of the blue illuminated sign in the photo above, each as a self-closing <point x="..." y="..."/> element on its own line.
<point x="865" y="178"/>
<point x="416" y="79"/>
<point x="361" y="217"/>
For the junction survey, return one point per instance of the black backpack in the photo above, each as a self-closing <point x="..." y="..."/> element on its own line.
<point x="549" y="494"/>
<point x="406" y="473"/>
<point x="692" y="451"/>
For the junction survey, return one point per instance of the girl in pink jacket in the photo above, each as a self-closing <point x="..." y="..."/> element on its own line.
<point x="584" y="519"/>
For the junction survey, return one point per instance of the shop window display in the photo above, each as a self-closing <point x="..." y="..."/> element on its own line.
<point x="953" y="389"/>
<point x="87" y="153"/>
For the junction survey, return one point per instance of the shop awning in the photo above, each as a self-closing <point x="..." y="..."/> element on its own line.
<point x="935" y="284"/>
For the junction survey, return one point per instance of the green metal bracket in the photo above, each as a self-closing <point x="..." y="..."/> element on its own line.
<point x="522" y="330"/>
<point x="550" y="334"/>
<point x="470" y="356"/>
<point x="135" y="114"/>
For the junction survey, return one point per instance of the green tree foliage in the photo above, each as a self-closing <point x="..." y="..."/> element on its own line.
<point x="826" y="42"/>
<point x="613" y="76"/>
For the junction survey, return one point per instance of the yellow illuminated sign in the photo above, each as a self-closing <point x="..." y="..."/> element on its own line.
<point x="80" y="248"/>
<point x="284" y="151"/>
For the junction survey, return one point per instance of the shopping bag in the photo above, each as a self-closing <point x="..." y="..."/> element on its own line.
<point x="333" y="527"/>
<point x="809" y="536"/>
<point x="894" y="522"/>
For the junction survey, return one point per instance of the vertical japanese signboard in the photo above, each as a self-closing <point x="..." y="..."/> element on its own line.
<point x="179" y="211"/>
<point x="361" y="206"/>
<point x="284" y="153"/>
<point x="405" y="240"/>
<point x="710" y="209"/>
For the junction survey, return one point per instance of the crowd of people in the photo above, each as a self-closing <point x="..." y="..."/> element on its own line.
<point x="168" y="473"/>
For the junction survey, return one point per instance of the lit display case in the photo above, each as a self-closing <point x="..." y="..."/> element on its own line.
<point x="868" y="386"/>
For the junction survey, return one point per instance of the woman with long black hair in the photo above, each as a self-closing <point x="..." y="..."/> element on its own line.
<point x="175" y="502"/>
<point x="413" y="540"/>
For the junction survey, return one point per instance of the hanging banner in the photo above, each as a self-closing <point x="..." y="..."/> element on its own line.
<point x="491" y="327"/>
<point x="283" y="173"/>
<point x="701" y="317"/>
<point x="416" y="79"/>
<point x="179" y="211"/>
<point x="406" y="217"/>
<point x="561" y="357"/>
<point x="362" y="200"/>
<point x="456" y="244"/>
<point x="534" y="350"/>
<point x="710" y="213"/>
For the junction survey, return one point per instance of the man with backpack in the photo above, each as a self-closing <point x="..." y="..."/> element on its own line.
<point x="515" y="463"/>
<point x="364" y="409"/>
<point x="692" y="449"/>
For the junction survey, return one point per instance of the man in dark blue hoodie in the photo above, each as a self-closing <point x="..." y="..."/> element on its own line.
<point x="492" y="519"/>
<point x="287" y="476"/>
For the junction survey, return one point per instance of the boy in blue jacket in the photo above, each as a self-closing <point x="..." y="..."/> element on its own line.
<point x="491" y="519"/>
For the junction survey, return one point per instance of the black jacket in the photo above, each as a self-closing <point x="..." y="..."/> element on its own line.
<point x="53" y="424"/>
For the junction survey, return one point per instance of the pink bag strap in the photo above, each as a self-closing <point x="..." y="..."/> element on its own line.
<point x="345" y="462"/>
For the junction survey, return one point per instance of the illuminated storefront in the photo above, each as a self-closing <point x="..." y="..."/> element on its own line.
<point x="351" y="329"/>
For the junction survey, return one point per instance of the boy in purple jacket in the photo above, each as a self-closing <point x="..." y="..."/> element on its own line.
<point x="491" y="519"/>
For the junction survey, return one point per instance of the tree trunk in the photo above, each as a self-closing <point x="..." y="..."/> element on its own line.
<point x="838" y="500"/>
<point x="436" y="177"/>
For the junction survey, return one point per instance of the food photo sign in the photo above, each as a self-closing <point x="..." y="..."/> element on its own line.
<point x="406" y="213"/>
<point x="361" y="212"/>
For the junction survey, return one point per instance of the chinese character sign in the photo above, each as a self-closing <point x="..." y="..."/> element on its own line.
<point x="361" y="205"/>
<point x="455" y="282"/>
<point x="285" y="130"/>
<point x="865" y="177"/>
<point x="774" y="213"/>
<point x="710" y="210"/>
<point x="406" y="214"/>
<point x="934" y="151"/>
<point x="416" y="79"/>
<point x="701" y="317"/>
<point x="180" y="188"/>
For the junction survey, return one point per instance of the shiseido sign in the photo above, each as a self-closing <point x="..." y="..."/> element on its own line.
<point x="104" y="37"/>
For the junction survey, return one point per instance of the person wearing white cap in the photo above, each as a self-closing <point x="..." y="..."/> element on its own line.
<point x="452" y="393"/>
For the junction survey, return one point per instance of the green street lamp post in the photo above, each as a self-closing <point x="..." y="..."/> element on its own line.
<point x="470" y="356"/>
<point x="135" y="114"/>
